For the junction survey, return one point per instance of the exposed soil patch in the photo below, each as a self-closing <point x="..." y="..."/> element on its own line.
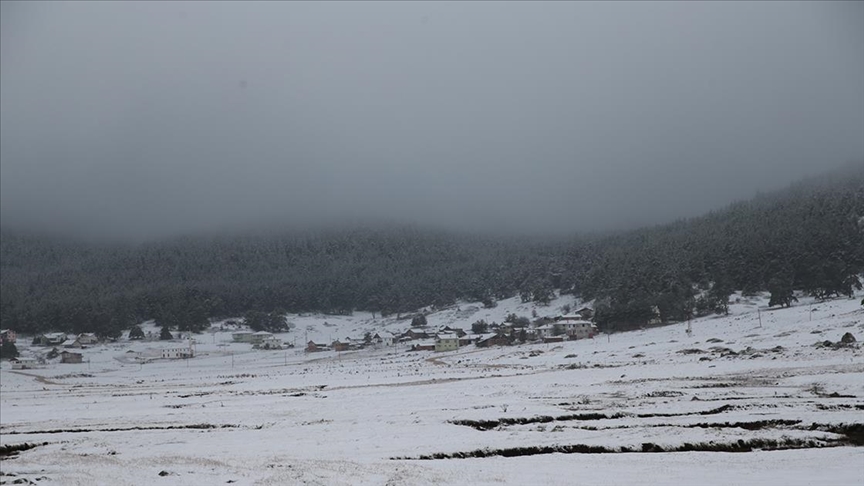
<point x="125" y="429"/>
<point x="648" y="447"/>
<point x="12" y="450"/>
<point x="492" y="424"/>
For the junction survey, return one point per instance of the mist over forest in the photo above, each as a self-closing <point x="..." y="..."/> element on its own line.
<point x="808" y="237"/>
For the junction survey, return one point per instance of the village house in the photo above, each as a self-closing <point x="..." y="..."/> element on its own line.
<point x="447" y="342"/>
<point x="384" y="338"/>
<point x="261" y="336"/>
<point x="183" y="352"/>
<point x="584" y="314"/>
<point x="313" y="347"/>
<point x="8" y="336"/>
<point x="545" y="331"/>
<point x="413" y="334"/>
<point x="577" y="328"/>
<point x="23" y="363"/>
<point x="424" y="345"/>
<point x="71" y="358"/>
<point x="454" y="330"/>
<point x="87" y="338"/>
<point x="50" y="339"/>
<point x="268" y="342"/>
<point x="71" y="343"/>
<point x="493" y="340"/>
<point x="340" y="346"/>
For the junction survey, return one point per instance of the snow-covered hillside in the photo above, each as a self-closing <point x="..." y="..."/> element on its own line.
<point x="234" y="414"/>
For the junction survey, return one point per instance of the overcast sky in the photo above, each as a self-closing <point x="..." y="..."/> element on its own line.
<point x="155" y="118"/>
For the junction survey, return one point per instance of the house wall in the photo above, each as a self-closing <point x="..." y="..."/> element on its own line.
<point x="447" y="345"/>
<point x="242" y="338"/>
<point x="71" y="358"/>
<point x="8" y="336"/>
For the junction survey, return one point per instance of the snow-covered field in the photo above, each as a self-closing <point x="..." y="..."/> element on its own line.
<point x="242" y="416"/>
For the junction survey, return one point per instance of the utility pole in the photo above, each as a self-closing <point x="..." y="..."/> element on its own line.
<point x="759" y="314"/>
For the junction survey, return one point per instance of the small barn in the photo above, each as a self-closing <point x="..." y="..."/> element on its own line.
<point x="340" y="346"/>
<point x="313" y="347"/>
<point x="425" y="345"/>
<point x="71" y="358"/>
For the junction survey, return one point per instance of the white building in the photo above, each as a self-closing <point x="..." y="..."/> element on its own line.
<point x="261" y="336"/>
<point x="577" y="328"/>
<point x="179" y="352"/>
<point x="242" y="336"/>
<point x="87" y="338"/>
<point x="384" y="338"/>
<point x="545" y="331"/>
<point x="447" y="342"/>
<point x="23" y="363"/>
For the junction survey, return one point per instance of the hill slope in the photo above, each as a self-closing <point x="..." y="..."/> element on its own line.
<point x="806" y="237"/>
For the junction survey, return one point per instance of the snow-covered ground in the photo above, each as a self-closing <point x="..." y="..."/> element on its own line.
<point x="287" y="417"/>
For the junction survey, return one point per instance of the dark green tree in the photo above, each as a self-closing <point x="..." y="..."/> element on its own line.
<point x="418" y="321"/>
<point x="136" y="332"/>
<point x="781" y="292"/>
<point x="8" y="350"/>
<point x="479" y="327"/>
<point x="165" y="334"/>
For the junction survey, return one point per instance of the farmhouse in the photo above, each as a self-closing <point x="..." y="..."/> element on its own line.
<point x="7" y="336"/>
<point x="447" y="342"/>
<point x="70" y="357"/>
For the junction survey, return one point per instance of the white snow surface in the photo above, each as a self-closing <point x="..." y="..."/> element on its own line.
<point x="288" y="417"/>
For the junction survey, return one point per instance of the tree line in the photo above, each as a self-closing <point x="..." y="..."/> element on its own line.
<point x="807" y="237"/>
